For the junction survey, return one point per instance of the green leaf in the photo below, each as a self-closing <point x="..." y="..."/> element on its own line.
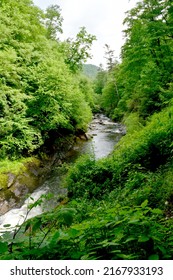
<point x="36" y="225"/>
<point x="133" y="221"/>
<point x="66" y="216"/>
<point x="125" y="256"/>
<point x="3" y="247"/>
<point x="143" y="238"/>
<point x="157" y="211"/>
<point x="154" y="257"/>
<point x="73" y="232"/>
<point x="144" y="204"/>
<point x="130" y="238"/>
<point x="54" y="239"/>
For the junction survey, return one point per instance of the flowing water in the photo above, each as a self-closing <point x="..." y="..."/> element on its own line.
<point x="103" y="134"/>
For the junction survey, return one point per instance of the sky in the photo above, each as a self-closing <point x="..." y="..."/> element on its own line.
<point x="102" y="18"/>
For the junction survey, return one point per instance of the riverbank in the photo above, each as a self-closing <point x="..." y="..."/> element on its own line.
<point x="20" y="178"/>
<point x="119" y="207"/>
<point x="17" y="178"/>
<point x="37" y="177"/>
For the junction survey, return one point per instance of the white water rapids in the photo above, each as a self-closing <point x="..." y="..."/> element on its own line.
<point x="105" y="134"/>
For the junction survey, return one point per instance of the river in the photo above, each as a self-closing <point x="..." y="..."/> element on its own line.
<point x="103" y="134"/>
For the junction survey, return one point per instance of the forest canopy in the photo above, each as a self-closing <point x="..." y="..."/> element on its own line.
<point x="40" y="88"/>
<point x="142" y="82"/>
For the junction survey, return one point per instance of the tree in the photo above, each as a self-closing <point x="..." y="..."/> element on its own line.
<point x="22" y="35"/>
<point x="110" y="58"/>
<point x="146" y="69"/>
<point x="53" y="21"/>
<point x="110" y="93"/>
<point x="85" y="85"/>
<point x="78" y="51"/>
<point x="39" y="95"/>
<point x="100" y="80"/>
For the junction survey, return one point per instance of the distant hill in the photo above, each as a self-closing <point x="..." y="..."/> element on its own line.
<point x="90" y="70"/>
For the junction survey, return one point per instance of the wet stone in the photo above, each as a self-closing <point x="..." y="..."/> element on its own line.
<point x="11" y="180"/>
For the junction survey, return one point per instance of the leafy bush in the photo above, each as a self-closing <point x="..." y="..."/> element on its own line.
<point x="38" y="92"/>
<point x="136" y="156"/>
<point x="107" y="232"/>
<point x="88" y="178"/>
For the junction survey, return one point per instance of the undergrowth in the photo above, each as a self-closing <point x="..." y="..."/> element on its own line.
<point x="120" y="207"/>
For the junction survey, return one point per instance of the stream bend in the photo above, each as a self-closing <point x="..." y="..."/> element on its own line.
<point x="103" y="135"/>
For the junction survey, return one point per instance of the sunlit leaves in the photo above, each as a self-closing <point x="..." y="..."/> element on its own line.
<point x="77" y="51"/>
<point x="53" y="21"/>
<point x="38" y="92"/>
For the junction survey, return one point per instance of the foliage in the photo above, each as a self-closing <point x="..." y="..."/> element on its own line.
<point x="100" y="80"/>
<point x="105" y="232"/>
<point x="85" y="86"/>
<point x="119" y="207"/>
<point x="145" y="74"/>
<point x="110" y="93"/>
<point x="133" y="122"/>
<point x="88" y="178"/>
<point x="109" y="55"/>
<point x="40" y="96"/>
<point x="77" y="51"/>
<point x="137" y="154"/>
<point x="53" y="21"/>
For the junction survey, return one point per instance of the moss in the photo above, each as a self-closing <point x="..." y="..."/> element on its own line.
<point x="14" y="167"/>
<point x="18" y="166"/>
<point x="3" y="181"/>
<point x="22" y="169"/>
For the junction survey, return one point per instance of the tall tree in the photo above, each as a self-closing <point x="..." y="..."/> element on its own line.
<point x="53" y="21"/>
<point x="110" y="58"/>
<point x="147" y="56"/>
<point x="100" y="80"/>
<point x="39" y="95"/>
<point x="78" y="49"/>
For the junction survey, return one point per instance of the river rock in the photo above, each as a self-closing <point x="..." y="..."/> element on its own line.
<point x="11" y="180"/>
<point x="20" y="190"/>
<point x="4" y="207"/>
<point x="89" y="136"/>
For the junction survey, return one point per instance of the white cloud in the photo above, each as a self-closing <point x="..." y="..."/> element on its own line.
<point x="102" y="18"/>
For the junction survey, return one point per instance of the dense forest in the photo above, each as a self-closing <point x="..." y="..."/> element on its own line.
<point x="118" y="207"/>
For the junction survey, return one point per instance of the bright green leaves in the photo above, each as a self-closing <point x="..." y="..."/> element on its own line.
<point x="23" y="21"/>
<point x="38" y="91"/>
<point x="16" y="135"/>
<point x="8" y="67"/>
<point x="145" y="73"/>
<point x="59" y="101"/>
<point x="149" y="45"/>
<point x="53" y="21"/>
<point x="86" y="88"/>
<point x="18" y="138"/>
<point x="48" y="106"/>
<point x="110" y="92"/>
<point x="78" y="50"/>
